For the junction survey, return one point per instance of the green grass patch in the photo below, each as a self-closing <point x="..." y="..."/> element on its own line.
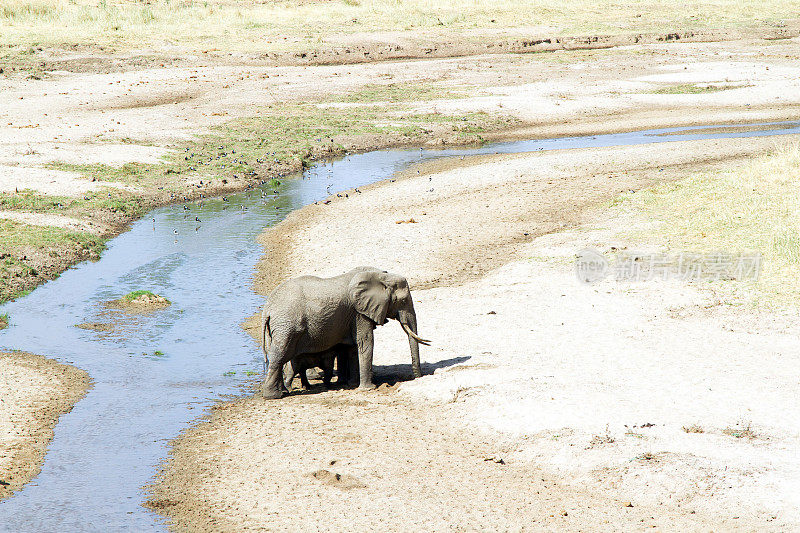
<point x="277" y="138"/>
<point x="294" y="133"/>
<point x="15" y="235"/>
<point x="133" y="295"/>
<point x="131" y="173"/>
<point x="692" y="88"/>
<point x="4" y="320"/>
<point x="404" y="92"/>
<point x="754" y="207"/>
<point x="28" y="200"/>
<point x="112" y="200"/>
<point x="17" y="276"/>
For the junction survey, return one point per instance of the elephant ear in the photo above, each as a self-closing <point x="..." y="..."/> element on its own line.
<point x="370" y="296"/>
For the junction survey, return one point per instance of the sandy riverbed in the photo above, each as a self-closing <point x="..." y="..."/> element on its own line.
<point x="36" y="391"/>
<point x="587" y="387"/>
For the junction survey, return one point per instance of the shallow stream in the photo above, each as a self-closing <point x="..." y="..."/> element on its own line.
<point x="155" y="374"/>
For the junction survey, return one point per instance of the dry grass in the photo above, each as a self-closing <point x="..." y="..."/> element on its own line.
<point x="693" y="88"/>
<point x="753" y="208"/>
<point x="290" y="25"/>
<point x="741" y="431"/>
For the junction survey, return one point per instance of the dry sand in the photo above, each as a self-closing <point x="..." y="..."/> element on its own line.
<point x="587" y="387"/>
<point x="36" y="391"/>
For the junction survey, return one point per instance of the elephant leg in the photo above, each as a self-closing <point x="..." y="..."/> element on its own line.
<point x="273" y="387"/>
<point x="348" y="363"/>
<point x="303" y="376"/>
<point x="327" y="368"/>
<point x="365" y="341"/>
<point x="280" y="351"/>
<point x="289" y="372"/>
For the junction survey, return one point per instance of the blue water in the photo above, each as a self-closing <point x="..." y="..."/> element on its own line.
<point x="112" y="442"/>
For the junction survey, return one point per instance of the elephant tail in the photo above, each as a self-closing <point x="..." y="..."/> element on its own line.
<point x="266" y="337"/>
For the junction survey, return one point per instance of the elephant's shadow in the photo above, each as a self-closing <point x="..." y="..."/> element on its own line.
<point x="389" y="374"/>
<point x="393" y="374"/>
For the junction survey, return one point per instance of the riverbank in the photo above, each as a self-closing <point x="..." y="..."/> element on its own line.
<point x="36" y="392"/>
<point x="531" y="376"/>
<point x="84" y="152"/>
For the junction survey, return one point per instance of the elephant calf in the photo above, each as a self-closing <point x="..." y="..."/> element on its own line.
<point x="311" y="315"/>
<point x="300" y="364"/>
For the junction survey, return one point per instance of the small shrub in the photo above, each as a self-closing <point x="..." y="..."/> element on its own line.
<point x="740" y="432"/>
<point x="598" y="440"/>
<point x="135" y="295"/>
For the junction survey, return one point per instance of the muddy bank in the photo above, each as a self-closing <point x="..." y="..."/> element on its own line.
<point x="393" y="47"/>
<point x="36" y="392"/>
<point x="364" y="53"/>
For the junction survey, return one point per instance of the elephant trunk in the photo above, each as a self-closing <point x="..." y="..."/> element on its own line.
<point x="408" y="320"/>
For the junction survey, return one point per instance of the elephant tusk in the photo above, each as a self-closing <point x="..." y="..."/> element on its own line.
<point x="414" y="335"/>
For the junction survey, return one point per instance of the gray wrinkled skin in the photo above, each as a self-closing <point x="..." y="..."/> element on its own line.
<point x="298" y="366"/>
<point x="311" y="315"/>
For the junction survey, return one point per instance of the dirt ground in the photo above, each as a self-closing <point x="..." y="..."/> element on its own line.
<point x="36" y="392"/>
<point x="342" y="461"/>
<point x="515" y="400"/>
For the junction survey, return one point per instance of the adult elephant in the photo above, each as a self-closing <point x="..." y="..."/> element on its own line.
<point x="309" y="315"/>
